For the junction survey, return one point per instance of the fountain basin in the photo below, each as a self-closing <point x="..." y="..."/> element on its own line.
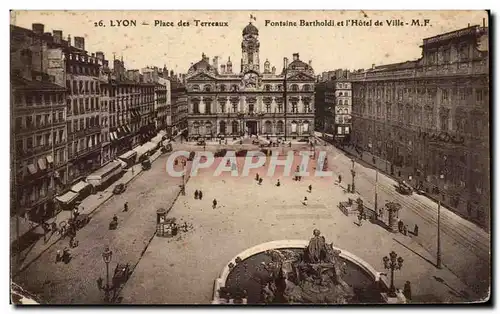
<point x="243" y="271"/>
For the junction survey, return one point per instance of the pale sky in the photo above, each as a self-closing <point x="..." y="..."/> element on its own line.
<point x="329" y="47"/>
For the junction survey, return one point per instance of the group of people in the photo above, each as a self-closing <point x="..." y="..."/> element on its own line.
<point x="198" y="195"/>
<point x="403" y="228"/>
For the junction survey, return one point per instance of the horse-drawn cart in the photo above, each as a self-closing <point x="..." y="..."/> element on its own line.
<point x="121" y="275"/>
<point x="80" y="221"/>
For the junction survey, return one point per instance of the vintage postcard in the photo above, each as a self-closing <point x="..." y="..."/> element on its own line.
<point x="250" y="157"/>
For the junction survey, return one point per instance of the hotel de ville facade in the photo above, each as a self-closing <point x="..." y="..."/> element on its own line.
<point x="225" y="104"/>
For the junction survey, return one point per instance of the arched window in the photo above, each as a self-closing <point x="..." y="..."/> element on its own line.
<point x="222" y="127"/>
<point x="268" y="127"/>
<point x="341" y="94"/>
<point x="295" y="88"/>
<point x="340" y="102"/>
<point x="234" y="127"/>
<point x="222" y="88"/>
<point x="195" y="88"/>
<point x="306" y="88"/>
<point x="305" y="127"/>
<point x="196" y="105"/>
<point x="279" y="127"/>
<point x="234" y="88"/>
<point x="267" y="88"/>
<point x="279" y="87"/>
<point x="294" y="127"/>
<point x="207" y="88"/>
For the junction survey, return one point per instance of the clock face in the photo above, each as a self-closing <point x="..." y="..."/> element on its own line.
<point x="250" y="80"/>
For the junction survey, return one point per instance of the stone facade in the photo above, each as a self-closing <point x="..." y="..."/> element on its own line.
<point x="430" y="119"/>
<point x="224" y="104"/>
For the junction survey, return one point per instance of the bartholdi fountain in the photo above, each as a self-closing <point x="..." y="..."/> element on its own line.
<point x="298" y="272"/>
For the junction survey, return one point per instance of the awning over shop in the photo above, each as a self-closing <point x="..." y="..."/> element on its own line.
<point x="150" y="146"/>
<point x="140" y="150"/>
<point x="67" y="198"/>
<point x="79" y="186"/>
<point x="32" y="168"/>
<point x="42" y="164"/>
<point x="128" y="155"/>
<point x="103" y="174"/>
<point x="156" y="139"/>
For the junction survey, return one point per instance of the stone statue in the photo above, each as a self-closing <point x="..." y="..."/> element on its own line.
<point x="317" y="247"/>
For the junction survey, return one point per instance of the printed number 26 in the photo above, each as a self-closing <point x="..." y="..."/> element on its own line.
<point x="99" y="24"/>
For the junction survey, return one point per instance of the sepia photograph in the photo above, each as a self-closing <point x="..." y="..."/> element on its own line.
<point x="250" y="157"/>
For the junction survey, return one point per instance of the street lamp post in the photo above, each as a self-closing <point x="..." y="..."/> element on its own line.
<point x="376" y="195"/>
<point x="438" y="257"/>
<point x="393" y="262"/>
<point x="353" y="173"/>
<point x="106" y="256"/>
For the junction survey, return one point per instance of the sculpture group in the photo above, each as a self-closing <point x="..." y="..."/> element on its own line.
<point x="311" y="276"/>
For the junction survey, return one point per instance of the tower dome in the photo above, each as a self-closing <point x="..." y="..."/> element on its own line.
<point x="250" y="29"/>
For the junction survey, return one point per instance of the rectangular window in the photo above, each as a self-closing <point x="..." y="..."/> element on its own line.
<point x="444" y="94"/>
<point x="479" y="95"/>
<point x="446" y="56"/>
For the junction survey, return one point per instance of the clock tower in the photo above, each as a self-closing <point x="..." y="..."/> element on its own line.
<point x="250" y="49"/>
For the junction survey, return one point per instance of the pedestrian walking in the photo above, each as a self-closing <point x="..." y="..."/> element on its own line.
<point x="125" y="207"/>
<point x="214" y="203"/>
<point x="58" y="256"/>
<point x="200" y="195"/>
<point x="340" y="179"/>
<point x="310" y="188"/>
<point x="196" y="194"/>
<point x="415" y="230"/>
<point x="133" y="171"/>
<point x="407" y="290"/>
<point x="305" y="201"/>
<point x="278" y="183"/>
<point x="260" y="181"/>
<point x="405" y="230"/>
<point x="75" y="213"/>
<point x="400" y="226"/>
<point x="256" y="177"/>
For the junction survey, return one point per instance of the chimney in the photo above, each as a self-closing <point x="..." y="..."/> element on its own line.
<point x="373" y="66"/>
<point x="310" y="63"/>
<point x="285" y="62"/>
<point x="216" y="63"/>
<point x="295" y="56"/>
<point x="99" y="55"/>
<point x="468" y="24"/>
<point x="223" y="68"/>
<point x="273" y="70"/>
<point x="80" y="43"/>
<point x="57" y="36"/>
<point x="37" y="28"/>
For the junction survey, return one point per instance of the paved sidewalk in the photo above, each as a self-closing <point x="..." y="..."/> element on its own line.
<point x="87" y="206"/>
